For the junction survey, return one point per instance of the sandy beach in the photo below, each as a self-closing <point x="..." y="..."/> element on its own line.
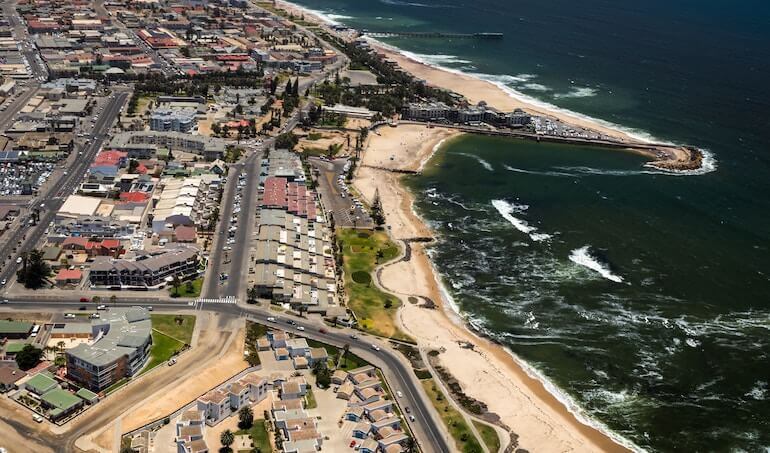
<point x="488" y="372"/>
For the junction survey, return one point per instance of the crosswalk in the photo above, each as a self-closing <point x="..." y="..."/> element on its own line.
<point x="220" y="300"/>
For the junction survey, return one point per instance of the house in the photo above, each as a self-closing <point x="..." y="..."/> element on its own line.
<point x="282" y="354"/>
<point x="292" y="390"/>
<point x="220" y="403"/>
<point x="298" y="347"/>
<point x="68" y="277"/>
<point x="362" y="430"/>
<point x="300" y="363"/>
<point x="9" y="375"/>
<point x="339" y="376"/>
<point x="277" y="338"/>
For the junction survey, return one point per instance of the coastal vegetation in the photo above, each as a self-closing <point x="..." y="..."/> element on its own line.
<point x="458" y="428"/>
<point x="375" y="309"/>
<point x="488" y="436"/>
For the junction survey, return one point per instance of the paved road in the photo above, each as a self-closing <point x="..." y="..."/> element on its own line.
<point x="428" y="428"/>
<point x="50" y="202"/>
<point x="331" y="196"/>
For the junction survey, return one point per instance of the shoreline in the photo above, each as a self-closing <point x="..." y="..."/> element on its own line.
<point x="534" y="408"/>
<point x="667" y="157"/>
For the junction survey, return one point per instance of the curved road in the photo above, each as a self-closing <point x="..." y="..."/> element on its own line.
<point x="427" y="427"/>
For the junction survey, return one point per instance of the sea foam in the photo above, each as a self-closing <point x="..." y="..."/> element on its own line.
<point x="583" y="257"/>
<point x="483" y="163"/>
<point x="507" y="210"/>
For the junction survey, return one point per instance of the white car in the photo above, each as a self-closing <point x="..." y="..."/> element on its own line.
<point x="69" y="315"/>
<point x="300" y="328"/>
<point x="399" y="394"/>
<point x="101" y="307"/>
<point x="375" y="347"/>
<point x="270" y="319"/>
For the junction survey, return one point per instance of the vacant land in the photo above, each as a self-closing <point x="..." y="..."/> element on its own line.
<point x="179" y="327"/>
<point x="464" y="439"/>
<point x="259" y="436"/>
<point x="362" y="252"/>
<point x="488" y="435"/>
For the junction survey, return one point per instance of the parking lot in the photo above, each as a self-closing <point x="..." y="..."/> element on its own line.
<point x="336" y="197"/>
<point x="22" y="179"/>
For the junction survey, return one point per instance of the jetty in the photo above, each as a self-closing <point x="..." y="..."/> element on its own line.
<point x="431" y="34"/>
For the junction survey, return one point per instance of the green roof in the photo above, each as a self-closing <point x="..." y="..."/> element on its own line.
<point x="61" y="399"/>
<point x="41" y="383"/>
<point x="7" y="327"/>
<point x="87" y="394"/>
<point x="13" y="348"/>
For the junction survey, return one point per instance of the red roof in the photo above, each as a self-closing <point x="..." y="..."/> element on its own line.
<point x="111" y="243"/>
<point x="109" y="158"/>
<point x="83" y="242"/>
<point x="69" y="274"/>
<point x="134" y="196"/>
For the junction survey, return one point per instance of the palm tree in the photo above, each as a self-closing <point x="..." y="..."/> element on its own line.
<point x="410" y="446"/>
<point x="176" y="283"/>
<point x="345" y="350"/>
<point x="227" y="438"/>
<point x="61" y="345"/>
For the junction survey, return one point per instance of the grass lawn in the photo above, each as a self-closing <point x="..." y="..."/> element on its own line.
<point x="488" y="435"/>
<point x="310" y="402"/>
<point x="187" y="291"/>
<point x="163" y="347"/>
<point x="376" y="310"/>
<point x="349" y="362"/>
<point x="464" y="439"/>
<point x="259" y="435"/>
<point x="167" y="324"/>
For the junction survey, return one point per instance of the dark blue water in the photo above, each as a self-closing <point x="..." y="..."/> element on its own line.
<point x="647" y="301"/>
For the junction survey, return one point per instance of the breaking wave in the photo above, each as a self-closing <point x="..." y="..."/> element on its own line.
<point x="507" y="210"/>
<point x="583" y="257"/>
<point x="578" y="92"/>
<point x="483" y="163"/>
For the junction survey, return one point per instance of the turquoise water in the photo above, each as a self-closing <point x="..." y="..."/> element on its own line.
<point x="642" y="295"/>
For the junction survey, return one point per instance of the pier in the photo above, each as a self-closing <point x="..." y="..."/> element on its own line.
<point x="431" y="34"/>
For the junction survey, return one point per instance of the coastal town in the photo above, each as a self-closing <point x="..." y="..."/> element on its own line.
<point x="205" y="244"/>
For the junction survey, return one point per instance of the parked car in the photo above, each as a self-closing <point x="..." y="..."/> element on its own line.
<point x="149" y="308"/>
<point x="38" y="418"/>
<point x="172" y="361"/>
<point x="84" y="299"/>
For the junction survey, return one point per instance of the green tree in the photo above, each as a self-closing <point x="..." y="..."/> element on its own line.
<point x="176" y="283"/>
<point x="286" y="141"/>
<point x="245" y="418"/>
<point x="376" y="212"/>
<point x="113" y="299"/>
<point x="28" y="357"/>
<point x="34" y="272"/>
<point x="251" y="295"/>
<point x="226" y="439"/>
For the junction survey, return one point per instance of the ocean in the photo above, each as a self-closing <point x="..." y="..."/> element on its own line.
<point x="642" y="296"/>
